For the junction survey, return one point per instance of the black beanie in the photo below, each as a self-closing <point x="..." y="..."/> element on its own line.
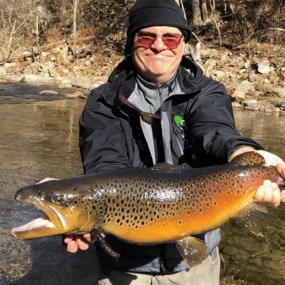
<point x="148" y="13"/>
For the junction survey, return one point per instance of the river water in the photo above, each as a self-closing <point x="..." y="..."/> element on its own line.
<point x="38" y="139"/>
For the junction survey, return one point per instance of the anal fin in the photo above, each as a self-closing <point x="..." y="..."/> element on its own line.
<point x="193" y="250"/>
<point x="256" y="215"/>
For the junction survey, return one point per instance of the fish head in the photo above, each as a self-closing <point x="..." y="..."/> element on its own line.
<point x="67" y="211"/>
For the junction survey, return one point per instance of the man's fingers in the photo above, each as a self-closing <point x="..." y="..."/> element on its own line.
<point x="259" y="195"/>
<point x="281" y="169"/>
<point x="276" y="195"/>
<point x="283" y="196"/>
<point x="77" y="242"/>
<point x="71" y="245"/>
<point x="264" y="192"/>
<point x="89" y="237"/>
<point x="82" y="243"/>
<point x="269" y="192"/>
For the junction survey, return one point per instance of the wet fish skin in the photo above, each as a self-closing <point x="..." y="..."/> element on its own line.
<point x="149" y="206"/>
<point x="71" y="205"/>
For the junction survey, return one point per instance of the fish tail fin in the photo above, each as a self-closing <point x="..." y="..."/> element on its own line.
<point x="193" y="250"/>
<point x="256" y="215"/>
<point x="249" y="158"/>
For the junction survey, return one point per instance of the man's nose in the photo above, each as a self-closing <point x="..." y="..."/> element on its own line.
<point x="158" y="44"/>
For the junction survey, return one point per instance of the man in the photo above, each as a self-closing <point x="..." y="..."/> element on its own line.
<point x="158" y="107"/>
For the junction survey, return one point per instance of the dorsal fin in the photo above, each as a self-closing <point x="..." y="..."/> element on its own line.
<point x="169" y="168"/>
<point x="249" y="158"/>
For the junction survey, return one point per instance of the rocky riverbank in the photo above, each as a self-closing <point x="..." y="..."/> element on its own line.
<point x="253" y="75"/>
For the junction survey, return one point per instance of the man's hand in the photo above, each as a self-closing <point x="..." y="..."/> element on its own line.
<point x="268" y="191"/>
<point x="78" y="242"/>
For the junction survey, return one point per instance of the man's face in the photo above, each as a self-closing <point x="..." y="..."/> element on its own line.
<point x="157" y="63"/>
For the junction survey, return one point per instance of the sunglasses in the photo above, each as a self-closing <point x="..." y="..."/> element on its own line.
<point x="170" y="40"/>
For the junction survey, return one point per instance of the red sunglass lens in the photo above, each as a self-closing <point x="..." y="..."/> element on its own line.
<point x="145" y="40"/>
<point x="171" y="41"/>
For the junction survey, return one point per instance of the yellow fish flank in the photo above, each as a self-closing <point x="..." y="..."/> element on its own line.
<point x="162" y="204"/>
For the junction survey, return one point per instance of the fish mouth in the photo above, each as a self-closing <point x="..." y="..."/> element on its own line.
<point x="53" y="223"/>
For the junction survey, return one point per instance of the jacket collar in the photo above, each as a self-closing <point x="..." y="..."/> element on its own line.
<point x="123" y="79"/>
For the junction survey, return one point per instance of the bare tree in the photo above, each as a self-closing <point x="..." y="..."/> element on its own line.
<point x="199" y="10"/>
<point x="75" y="7"/>
<point x="204" y="11"/>
<point x="18" y="18"/>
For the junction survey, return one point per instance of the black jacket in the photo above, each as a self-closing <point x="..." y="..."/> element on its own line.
<point x="113" y="136"/>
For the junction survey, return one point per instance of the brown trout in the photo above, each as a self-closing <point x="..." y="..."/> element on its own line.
<point x="162" y="204"/>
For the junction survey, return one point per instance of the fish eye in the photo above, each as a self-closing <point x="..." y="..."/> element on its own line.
<point x="58" y="199"/>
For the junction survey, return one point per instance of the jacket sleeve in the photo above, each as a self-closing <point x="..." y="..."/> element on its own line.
<point x="102" y="141"/>
<point x="210" y="128"/>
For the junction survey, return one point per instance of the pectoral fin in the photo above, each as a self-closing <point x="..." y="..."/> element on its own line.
<point x="193" y="250"/>
<point x="256" y="215"/>
<point x="102" y="242"/>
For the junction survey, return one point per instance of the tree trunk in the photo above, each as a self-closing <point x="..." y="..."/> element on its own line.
<point x="197" y="20"/>
<point x="75" y="4"/>
<point x="204" y="11"/>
